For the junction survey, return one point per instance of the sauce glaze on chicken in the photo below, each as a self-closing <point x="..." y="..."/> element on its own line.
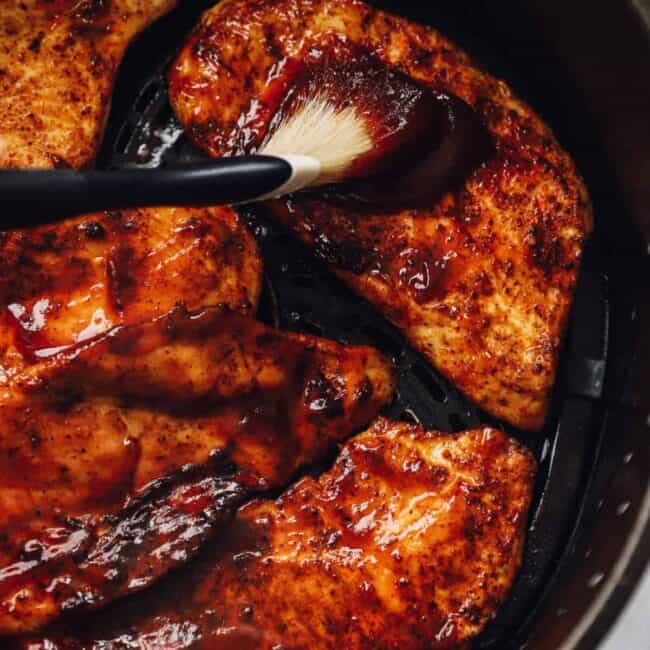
<point x="68" y="282"/>
<point x="121" y="456"/>
<point x="412" y="540"/>
<point x="482" y="281"/>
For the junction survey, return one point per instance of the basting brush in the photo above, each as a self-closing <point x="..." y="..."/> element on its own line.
<point x="354" y="125"/>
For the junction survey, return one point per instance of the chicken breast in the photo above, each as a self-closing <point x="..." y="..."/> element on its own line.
<point x="411" y="540"/>
<point x="120" y="456"/>
<point x="481" y="282"/>
<point x="68" y="282"/>
<point x="58" y="62"/>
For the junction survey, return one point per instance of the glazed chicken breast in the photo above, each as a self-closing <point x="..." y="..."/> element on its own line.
<point x="482" y="281"/>
<point x="121" y="456"/>
<point x="411" y="540"/>
<point x="58" y="62"/>
<point x="140" y="403"/>
<point x="68" y="282"/>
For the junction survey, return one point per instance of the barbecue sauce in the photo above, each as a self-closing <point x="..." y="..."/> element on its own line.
<point x="425" y="142"/>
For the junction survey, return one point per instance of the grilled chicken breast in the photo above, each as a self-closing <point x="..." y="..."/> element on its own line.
<point x="58" y="62"/>
<point x="120" y="456"/>
<point x="74" y="280"/>
<point x="411" y="540"/>
<point x="482" y="281"/>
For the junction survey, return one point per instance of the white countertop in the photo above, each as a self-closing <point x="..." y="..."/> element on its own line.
<point x="632" y="629"/>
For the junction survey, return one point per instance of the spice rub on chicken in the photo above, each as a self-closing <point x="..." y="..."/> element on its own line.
<point x="58" y="63"/>
<point x="482" y="281"/>
<point x="412" y="540"/>
<point x="71" y="281"/>
<point x="121" y="456"/>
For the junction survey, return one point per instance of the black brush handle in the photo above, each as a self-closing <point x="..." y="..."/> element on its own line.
<point x="31" y="198"/>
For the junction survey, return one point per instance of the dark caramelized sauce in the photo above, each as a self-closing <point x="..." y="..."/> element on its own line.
<point x="425" y="142"/>
<point x="427" y="261"/>
<point x="442" y="164"/>
<point x="422" y="274"/>
<point x="124" y="527"/>
<point x="121" y="277"/>
<point x="324" y="398"/>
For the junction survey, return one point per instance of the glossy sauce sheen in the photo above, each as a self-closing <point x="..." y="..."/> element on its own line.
<point x="424" y="142"/>
<point x="120" y="456"/>
<point x="72" y="281"/>
<point x="411" y="540"/>
<point x="481" y="278"/>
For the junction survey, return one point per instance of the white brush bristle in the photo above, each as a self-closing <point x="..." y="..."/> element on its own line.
<point x="336" y="137"/>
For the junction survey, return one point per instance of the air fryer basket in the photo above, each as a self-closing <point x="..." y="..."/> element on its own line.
<point x="591" y="499"/>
